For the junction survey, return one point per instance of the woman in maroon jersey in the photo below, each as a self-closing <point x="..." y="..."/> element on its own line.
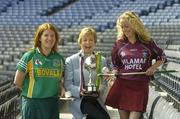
<point x="133" y="51"/>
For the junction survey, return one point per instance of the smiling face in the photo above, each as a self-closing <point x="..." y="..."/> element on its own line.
<point x="48" y="39"/>
<point x="127" y="29"/>
<point x="87" y="40"/>
<point x="87" y="44"/>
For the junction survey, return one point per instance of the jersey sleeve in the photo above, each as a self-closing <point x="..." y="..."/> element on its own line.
<point x="158" y="53"/>
<point x="22" y="64"/>
<point x="116" y="62"/>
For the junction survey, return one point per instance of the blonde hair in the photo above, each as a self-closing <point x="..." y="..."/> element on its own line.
<point x="136" y="24"/>
<point x="87" y="31"/>
<point x="39" y="32"/>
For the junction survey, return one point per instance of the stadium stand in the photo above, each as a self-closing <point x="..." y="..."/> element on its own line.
<point x="19" y="18"/>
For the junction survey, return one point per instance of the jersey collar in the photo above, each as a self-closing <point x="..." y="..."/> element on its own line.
<point x="39" y="51"/>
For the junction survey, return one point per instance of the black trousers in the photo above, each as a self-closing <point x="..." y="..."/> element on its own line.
<point x="93" y="109"/>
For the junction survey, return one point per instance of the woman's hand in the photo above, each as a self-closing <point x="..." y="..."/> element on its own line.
<point x="107" y="77"/>
<point x="93" y="94"/>
<point x="150" y="71"/>
<point x="82" y="92"/>
<point x="62" y="92"/>
<point x="112" y="78"/>
<point x="115" y="72"/>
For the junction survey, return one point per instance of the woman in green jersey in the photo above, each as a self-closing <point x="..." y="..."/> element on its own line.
<point x="39" y="75"/>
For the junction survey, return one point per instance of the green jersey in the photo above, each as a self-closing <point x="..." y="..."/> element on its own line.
<point x="43" y="74"/>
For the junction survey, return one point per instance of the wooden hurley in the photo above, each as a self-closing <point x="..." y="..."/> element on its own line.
<point x="136" y="73"/>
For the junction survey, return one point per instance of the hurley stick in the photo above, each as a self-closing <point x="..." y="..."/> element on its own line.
<point x="135" y="73"/>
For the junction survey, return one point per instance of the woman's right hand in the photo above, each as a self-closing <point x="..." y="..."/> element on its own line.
<point x="112" y="78"/>
<point x="94" y="94"/>
<point x="82" y="92"/>
<point x="115" y="72"/>
<point x="107" y="77"/>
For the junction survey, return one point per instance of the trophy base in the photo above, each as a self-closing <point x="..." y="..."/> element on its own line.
<point x="91" y="91"/>
<point x="91" y="94"/>
<point x="90" y="88"/>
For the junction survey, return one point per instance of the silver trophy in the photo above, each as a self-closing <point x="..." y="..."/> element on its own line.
<point x="90" y="63"/>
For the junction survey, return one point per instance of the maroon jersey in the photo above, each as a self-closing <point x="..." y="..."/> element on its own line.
<point x="137" y="57"/>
